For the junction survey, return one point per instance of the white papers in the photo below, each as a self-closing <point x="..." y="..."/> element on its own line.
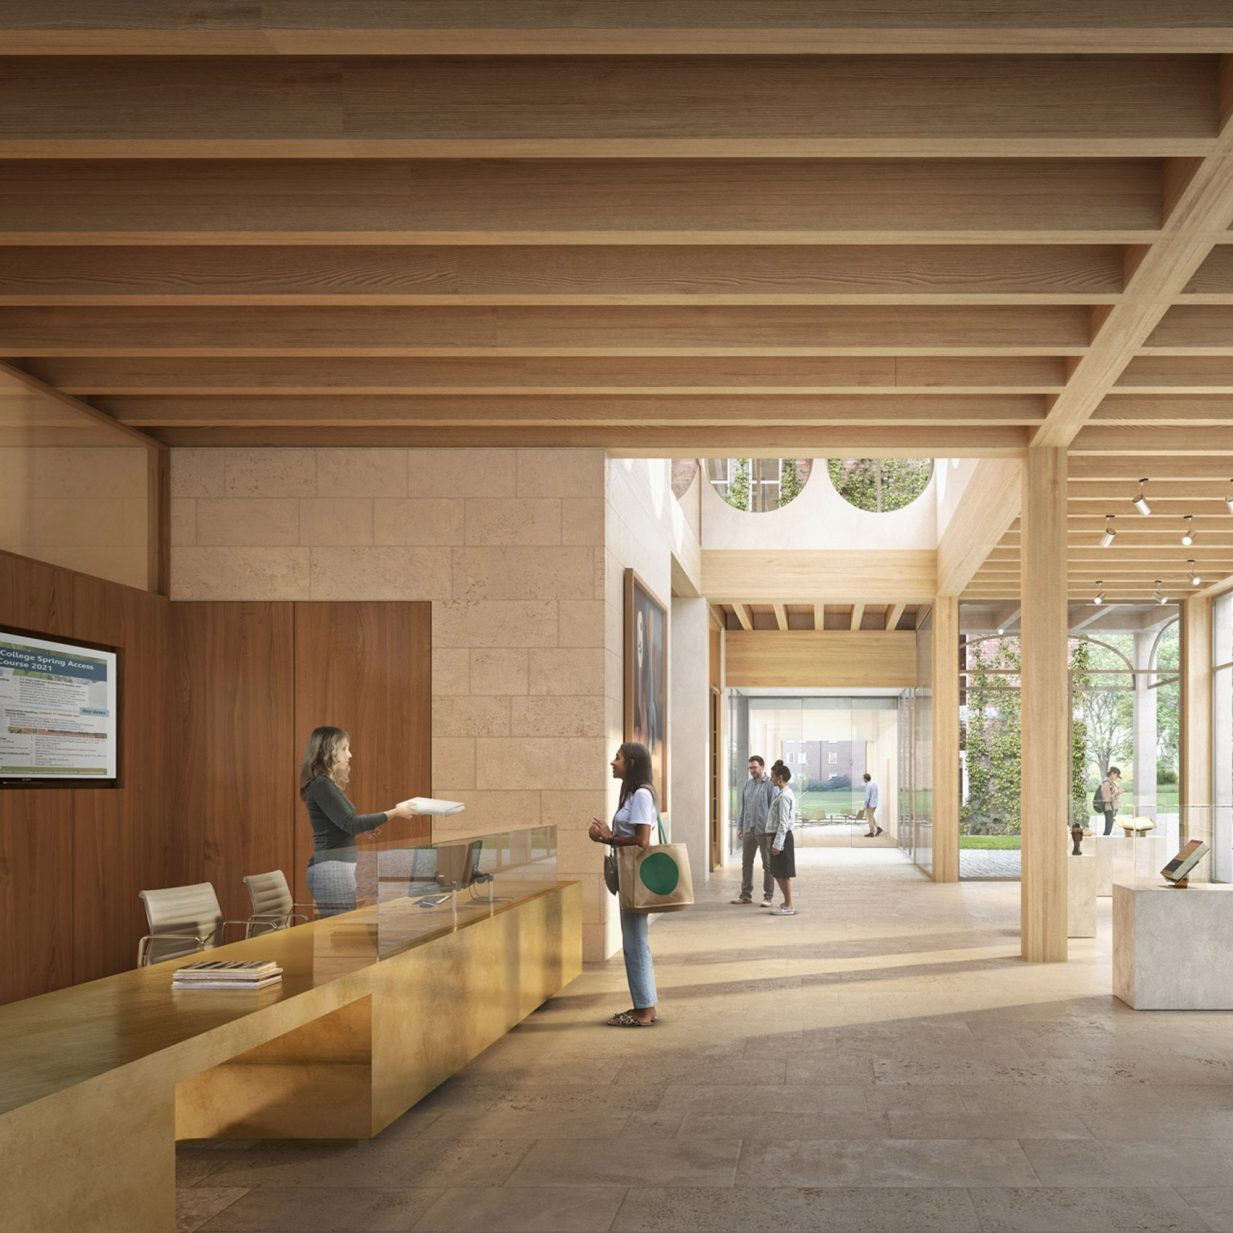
<point x="441" y="809"/>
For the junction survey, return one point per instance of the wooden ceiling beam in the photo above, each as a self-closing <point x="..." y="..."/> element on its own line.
<point x="621" y="107"/>
<point x="587" y="274"/>
<point x="1175" y="375"/>
<point x="743" y="615"/>
<point x="1198" y="208"/>
<point x="988" y="506"/>
<point x="551" y="202"/>
<point x="905" y="378"/>
<point x="608" y="27"/>
<point x="893" y="613"/>
<point x="703" y="440"/>
<point x="844" y="415"/>
<point x="781" y="615"/>
<point x="1138" y="410"/>
<point x="1115" y="468"/>
<point x="1196" y="440"/>
<point x="402" y="331"/>
<point x="858" y="613"/>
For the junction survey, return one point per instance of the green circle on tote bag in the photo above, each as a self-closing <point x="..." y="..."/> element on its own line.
<point x="659" y="873"/>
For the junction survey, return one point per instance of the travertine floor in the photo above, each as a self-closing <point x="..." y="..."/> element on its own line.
<point x="881" y="1062"/>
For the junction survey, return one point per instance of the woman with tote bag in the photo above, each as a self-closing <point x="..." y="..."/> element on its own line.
<point x="632" y="823"/>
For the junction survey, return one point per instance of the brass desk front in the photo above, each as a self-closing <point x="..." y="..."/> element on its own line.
<point x="98" y="1081"/>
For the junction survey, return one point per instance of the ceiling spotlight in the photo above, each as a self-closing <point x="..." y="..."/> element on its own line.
<point x="1001" y="631"/>
<point x="1140" y="502"/>
<point x="1106" y="540"/>
<point x="1159" y="595"/>
<point x="1099" y="597"/>
<point x="1229" y="499"/>
<point x="1188" y="533"/>
<point x="1194" y="574"/>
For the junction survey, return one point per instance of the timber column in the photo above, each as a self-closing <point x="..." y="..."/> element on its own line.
<point x="945" y="668"/>
<point x="1045" y="710"/>
<point x="1195" y="777"/>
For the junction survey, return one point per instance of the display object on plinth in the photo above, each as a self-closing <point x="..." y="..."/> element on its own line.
<point x="1177" y="872"/>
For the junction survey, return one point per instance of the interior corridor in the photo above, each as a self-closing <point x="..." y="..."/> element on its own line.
<point x="883" y="1061"/>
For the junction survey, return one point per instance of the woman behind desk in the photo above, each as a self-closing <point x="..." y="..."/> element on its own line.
<point x="323" y="775"/>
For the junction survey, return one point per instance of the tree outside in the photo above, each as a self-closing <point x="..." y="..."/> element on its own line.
<point x="880" y="485"/>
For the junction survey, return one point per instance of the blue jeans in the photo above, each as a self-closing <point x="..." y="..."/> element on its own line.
<point x="638" y="969"/>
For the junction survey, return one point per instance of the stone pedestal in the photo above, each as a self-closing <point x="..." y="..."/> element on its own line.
<point x="1081" y="879"/>
<point x="1171" y="947"/>
<point x="1124" y="858"/>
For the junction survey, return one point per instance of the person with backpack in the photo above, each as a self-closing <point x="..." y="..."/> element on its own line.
<point x="1108" y="798"/>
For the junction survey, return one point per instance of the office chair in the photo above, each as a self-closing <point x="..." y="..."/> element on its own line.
<point x="273" y="907"/>
<point x="183" y="919"/>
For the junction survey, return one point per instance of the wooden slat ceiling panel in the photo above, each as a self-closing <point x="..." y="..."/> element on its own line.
<point x="680" y="227"/>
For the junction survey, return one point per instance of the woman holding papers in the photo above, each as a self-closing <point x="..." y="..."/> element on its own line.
<point x="323" y="775"/>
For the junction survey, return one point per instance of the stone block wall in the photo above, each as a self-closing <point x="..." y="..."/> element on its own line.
<point x="509" y="545"/>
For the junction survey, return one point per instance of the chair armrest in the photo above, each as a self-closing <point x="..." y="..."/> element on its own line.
<point x="143" y="944"/>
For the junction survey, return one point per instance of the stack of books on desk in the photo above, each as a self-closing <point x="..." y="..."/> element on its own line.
<point x="224" y="974"/>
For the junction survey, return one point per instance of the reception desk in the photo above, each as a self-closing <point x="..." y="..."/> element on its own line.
<point x="375" y="1009"/>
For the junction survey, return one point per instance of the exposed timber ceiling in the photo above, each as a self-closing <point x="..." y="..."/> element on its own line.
<point x="660" y="227"/>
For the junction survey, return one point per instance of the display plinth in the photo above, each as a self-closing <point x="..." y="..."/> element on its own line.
<point x="1081" y="879"/>
<point x="1126" y="858"/>
<point x="1171" y="947"/>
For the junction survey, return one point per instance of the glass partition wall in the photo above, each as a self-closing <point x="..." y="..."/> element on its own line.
<point x="1124" y="717"/>
<point x="828" y="743"/>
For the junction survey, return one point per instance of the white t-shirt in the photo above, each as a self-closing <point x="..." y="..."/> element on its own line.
<point x="638" y="810"/>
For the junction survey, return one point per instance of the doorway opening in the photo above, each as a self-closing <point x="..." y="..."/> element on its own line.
<point x="828" y="739"/>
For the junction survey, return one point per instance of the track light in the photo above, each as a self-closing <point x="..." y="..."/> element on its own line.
<point x="1229" y="499"/>
<point x="1106" y="540"/>
<point x="1159" y="596"/>
<point x="1099" y="597"/>
<point x="1188" y="532"/>
<point x="1140" y="502"/>
<point x="1194" y="574"/>
<point x="1000" y="632"/>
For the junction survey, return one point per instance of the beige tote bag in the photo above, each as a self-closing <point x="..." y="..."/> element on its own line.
<point x="657" y="878"/>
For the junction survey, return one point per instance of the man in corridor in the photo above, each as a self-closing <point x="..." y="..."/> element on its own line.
<point x="750" y="830"/>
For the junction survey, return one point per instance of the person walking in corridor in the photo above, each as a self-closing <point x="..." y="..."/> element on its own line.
<point x="870" y="809"/>
<point x="780" y="824"/>
<point x="751" y="831"/>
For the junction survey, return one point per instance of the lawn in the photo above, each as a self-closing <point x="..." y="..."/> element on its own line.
<point x="990" y="842"/>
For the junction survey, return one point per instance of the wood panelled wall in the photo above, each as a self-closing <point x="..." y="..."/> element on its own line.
<point x="253" y="680"/>
<point x="216" y="701"/>
<point x="367" y="667"/>
<point x="73" y="860"/>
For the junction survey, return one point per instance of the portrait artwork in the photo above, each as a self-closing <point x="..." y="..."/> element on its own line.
<point x="646" y="677"/>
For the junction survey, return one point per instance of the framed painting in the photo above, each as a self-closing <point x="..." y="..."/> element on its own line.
<point x="646" y="677"/>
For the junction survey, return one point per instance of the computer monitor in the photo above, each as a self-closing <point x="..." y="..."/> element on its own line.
<point x="458" y="864"/>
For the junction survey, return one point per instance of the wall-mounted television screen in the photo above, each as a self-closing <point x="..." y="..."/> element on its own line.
<point x="59" y="718"/>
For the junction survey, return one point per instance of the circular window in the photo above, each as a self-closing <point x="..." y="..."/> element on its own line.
<point x="880" y="485"/>
<point x="757" y="485"/>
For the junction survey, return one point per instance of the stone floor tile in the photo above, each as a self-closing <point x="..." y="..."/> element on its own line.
<point x="755" y="1126"/>
<point x="197" y="1204"/>
<point x="1128" y="1161"/>
<point x="653" y="1162"/>
<point x="791" y="1098"/>
<point x="194" y="1165"/>
<point x="385" y="1163"/>
<point x="337" y="1210"/>
<point x="884" y="1162"/>
<point x="1007" y="1124"/>
<point x="1048" y="1209"/>
<point x="1213" y="1203"/>
<point x="524" y="1209"/>
<point x="866" y="1209"/>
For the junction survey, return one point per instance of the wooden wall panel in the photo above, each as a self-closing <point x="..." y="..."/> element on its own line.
<point x="122" y="839"/>
<point x="807" y="658"/>
<point x="367" y="667"/>
<point x="233" y="793"/>
<point x="72" y="861"/>
<point x="36" y="827"/>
